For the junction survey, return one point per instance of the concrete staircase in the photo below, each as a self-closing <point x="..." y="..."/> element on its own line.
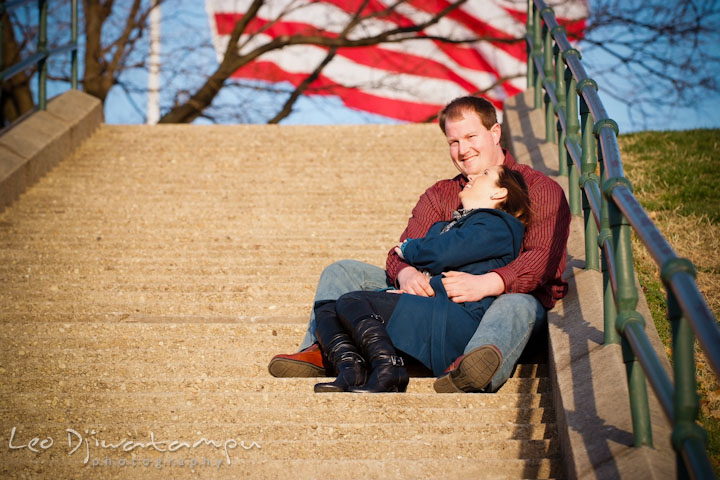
<point x="146" y="282"/>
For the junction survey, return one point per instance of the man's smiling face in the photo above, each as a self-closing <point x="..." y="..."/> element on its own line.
<point x="473" y="148"/>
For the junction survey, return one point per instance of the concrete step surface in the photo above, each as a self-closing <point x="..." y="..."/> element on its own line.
<point x="149" y="278"/>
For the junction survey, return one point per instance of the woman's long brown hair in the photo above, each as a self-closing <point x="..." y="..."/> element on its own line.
<point x="517" y="202"/>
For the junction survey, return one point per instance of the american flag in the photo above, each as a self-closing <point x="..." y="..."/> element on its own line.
<point x="410" y="80"/>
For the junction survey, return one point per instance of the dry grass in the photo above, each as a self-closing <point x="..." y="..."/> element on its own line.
<point x="697" y="239"/>
<point x="675" y="176"/>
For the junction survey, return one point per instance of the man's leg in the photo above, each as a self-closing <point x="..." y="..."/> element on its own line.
<point x="339" y="278"/>
<point x="336" y="280"/>
<point x="505" y="330"/>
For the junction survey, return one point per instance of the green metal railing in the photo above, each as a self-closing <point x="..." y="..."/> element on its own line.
<point x="587" y="140"/>
<point x="41" y="55"/>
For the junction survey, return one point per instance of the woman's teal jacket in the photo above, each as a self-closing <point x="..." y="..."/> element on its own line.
<point x="435" y="330"/>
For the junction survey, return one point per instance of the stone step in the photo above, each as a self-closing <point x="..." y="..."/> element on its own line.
<point x="210" y="365"/>
<point x="65" y="384"/>
<point x="129" y="247"/>
<point x="216" y="466"/>
<point x="181" y="305"/>
<point x="310" y="431"/>
<point x="66" y="320"/>
<point x="187" y="265"/>
<point x="175" y="278"/>
<point x="102" y="205"/>
<point x="98" y="262"/>
<point x="298" y="399"/>
<point x="235" y="332"/>
<point x="377" y="449"/>
<point x="207" y="231"/>
<point x="191" y="332"/>
<point x="269" y="251"/>
<point x="75" y="411"/>
<point x="158" y="349"/>
<point x="270" y="247"/>
<point x="125" y="286"/>
<point x="143" y="356"/>
<point x="146" y="291"/>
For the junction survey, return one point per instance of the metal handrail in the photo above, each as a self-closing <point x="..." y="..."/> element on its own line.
<point x="610" y="210"/>
<point x="42" y="53"/>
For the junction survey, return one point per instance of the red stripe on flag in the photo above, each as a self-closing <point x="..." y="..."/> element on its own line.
<point x="499" y="59"/>
<point x="399" y="62"/>
<point x="516" y="50"/>
<point x="479" y="27"/>
<point x="352" y="97"/>
<point x="378" y="57"/>
<point x="466" y="57"/>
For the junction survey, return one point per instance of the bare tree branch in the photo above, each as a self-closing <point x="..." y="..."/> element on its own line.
<point x="658" y="54"/>
<point x="302" y="87"/>
<point x="232" y="61"/>
<point x="655" y="54"/>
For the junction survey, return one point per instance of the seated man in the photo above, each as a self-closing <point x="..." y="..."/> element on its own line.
<point x="526" y="288"/>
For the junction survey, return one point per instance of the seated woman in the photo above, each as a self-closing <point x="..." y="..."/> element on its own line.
<point x="485" y="234"/>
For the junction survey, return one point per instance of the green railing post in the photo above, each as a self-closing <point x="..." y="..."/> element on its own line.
<point x="573" y="136"/>
<point x="560" y="107"/>
<point x="626" y="298"/>
<point x="537" y="49"/>
<point x="42" y="48"/>
<point x="549" y="72"/>
<point x="686" y="401"/>
<point x="588" y="164"/>
<point x="642" y="429"/>
<point x="605" y="237"/>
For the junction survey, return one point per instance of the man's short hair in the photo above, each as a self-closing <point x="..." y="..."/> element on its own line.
<point x="478" y="105"/>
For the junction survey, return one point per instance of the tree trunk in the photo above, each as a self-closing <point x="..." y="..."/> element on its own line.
<point x="96" y="80"/>
<point x="16" y="97"/>
<point x="193" y="108"/>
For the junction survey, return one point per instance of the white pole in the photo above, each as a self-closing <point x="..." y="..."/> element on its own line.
<point x="153" y="103"/>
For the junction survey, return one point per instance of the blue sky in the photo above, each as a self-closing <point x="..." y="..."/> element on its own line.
<point x="190" y="14"/>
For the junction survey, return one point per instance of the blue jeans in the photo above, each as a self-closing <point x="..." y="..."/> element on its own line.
<point x="507" y="324"/>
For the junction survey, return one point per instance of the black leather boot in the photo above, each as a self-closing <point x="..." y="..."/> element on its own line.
<point x="338" y="347"/>
<point x="388" y="372"/>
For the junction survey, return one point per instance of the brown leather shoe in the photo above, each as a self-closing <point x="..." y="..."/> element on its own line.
<point x="470" y="372"/>
<point x="305" y="363"/>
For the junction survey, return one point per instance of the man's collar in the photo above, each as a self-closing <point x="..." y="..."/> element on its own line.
<point x="509" y="159"/>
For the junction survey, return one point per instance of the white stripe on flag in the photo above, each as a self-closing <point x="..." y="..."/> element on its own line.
<point x="395" y="71"/>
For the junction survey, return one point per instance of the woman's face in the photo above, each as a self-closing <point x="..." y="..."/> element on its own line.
<point x="482" y="189"/>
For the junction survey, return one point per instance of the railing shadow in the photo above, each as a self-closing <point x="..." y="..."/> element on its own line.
<point x="577" y="326"/>
<point x="583" y="339"/>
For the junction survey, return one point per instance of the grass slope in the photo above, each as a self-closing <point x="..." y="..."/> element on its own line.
<point x="676" y="177"/>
